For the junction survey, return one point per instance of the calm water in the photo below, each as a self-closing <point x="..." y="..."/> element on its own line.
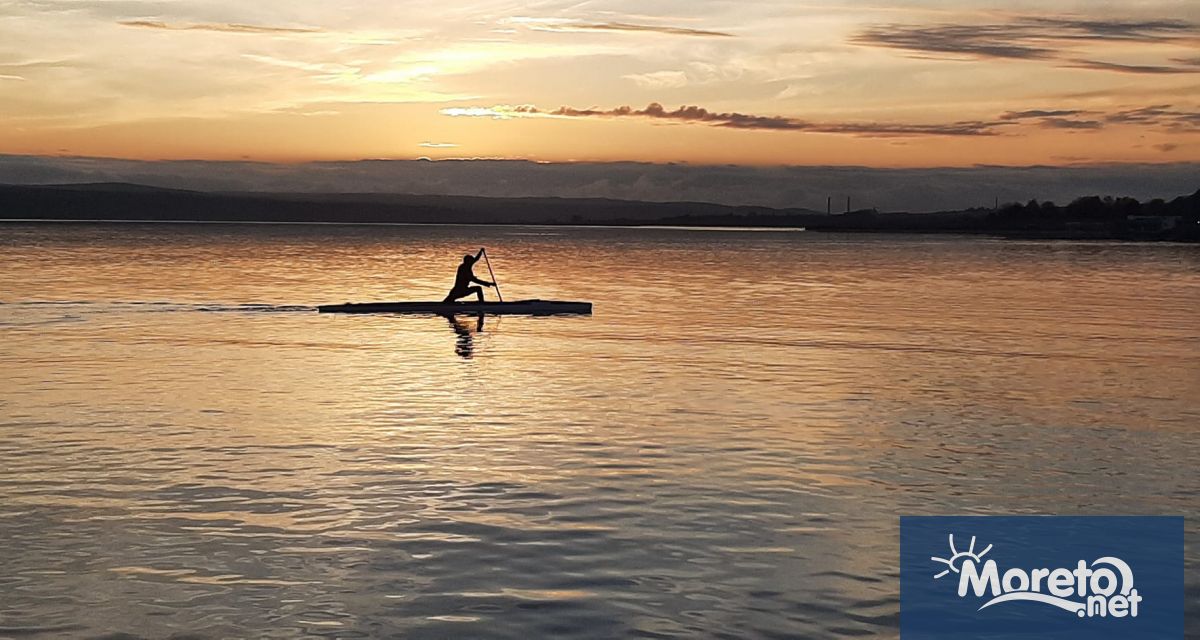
<point x="722" y="450"/>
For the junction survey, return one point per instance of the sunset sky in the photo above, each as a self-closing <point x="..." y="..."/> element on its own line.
<point x="897" y="84"/>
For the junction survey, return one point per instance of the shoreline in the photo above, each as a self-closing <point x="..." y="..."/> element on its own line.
<point x="1087" y="218"/>
<point x="612" y="225"/>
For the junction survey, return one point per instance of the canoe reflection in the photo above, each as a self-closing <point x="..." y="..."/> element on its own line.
<point x="464" y="346"/>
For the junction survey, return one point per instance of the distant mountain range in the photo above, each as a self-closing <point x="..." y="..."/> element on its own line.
<point x="1090" y="217"/>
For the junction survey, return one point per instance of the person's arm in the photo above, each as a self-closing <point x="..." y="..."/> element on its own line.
<point x="477" y="280"/>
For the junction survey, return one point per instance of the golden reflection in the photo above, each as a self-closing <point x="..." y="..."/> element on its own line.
<point x="744" y="413"/>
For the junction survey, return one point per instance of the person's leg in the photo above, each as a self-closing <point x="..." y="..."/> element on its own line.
<point x="455" y="294"/>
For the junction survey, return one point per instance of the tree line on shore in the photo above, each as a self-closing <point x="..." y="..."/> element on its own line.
<point x="1090" y="217"/>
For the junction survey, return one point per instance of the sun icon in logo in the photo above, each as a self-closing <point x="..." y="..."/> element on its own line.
<point x="957" y="557"/>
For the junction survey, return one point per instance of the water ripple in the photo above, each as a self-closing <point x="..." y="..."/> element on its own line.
<point x="187" y="450"/>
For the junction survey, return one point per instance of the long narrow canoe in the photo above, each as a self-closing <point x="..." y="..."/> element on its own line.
<point x="523" y="307"/>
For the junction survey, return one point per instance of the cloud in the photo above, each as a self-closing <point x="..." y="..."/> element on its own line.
<point x="498" y="112"/>
<point x="1162" y="115"/>
<point x="315" y="67"/>
<point x="1122" y="30"/>
<point x="921" y="189"/>
<point x="982" y="41"/>
<point x="691" y="113"/>
<point x="1151" y="114"/>
<point x="1166" y="147"/>
<point x="438" y="145"/>
<point x="675" y="31"/>
<point x="1033" y="38"/>
<point x="1041" y="113"/>
<point x="224" y="27"/>
<point x="659" y="79"/>
<point x="577" y="26"/>
<point x="1068" y="123"/>
<point x="1128" y="68"/>
<point x="1054" y="118"/>
<point x="735" y="120"/>
<point x="36" y="64"/>
<point x="8" y="77"/>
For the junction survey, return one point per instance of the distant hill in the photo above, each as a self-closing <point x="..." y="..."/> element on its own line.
<point x="118" y="187"/>
<point x="1089" y="217"/>
<point x="119" y="201"/>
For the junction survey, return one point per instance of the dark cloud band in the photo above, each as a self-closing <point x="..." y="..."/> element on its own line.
<point x="736" y="120"/>
<point x="1034" y="38"/>
<point x="1160" y="116"/>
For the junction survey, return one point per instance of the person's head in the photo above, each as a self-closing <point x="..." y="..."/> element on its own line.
<point x="468" y="259"/>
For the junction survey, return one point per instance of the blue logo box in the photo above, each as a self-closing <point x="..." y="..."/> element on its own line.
<point x="1060" y="577"/>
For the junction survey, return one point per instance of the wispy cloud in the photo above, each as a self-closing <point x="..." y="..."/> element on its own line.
<point x="579" y="26"/>
<point x="735" y="120"/>
<point x="1034" y="38"/>
<point x="1163" y="116"/>
<point x="1128" y="68"/>
<point x="981" y="41"/>
<point x="315" y="67"/>
<point x="8" y="77"/>
<point x="224" y="27"/>
<point x="1075" y="28"/>
<point x="438" y="145"/>
<point x="36" y="64"/>
<point x="497" y="112"/>
<point x="674" y="31"/>
<point x="1041" y="113"/>
<point x="1069" y="123"/>
<point x="1055" y="118"/>
<point x="659" y="79"/>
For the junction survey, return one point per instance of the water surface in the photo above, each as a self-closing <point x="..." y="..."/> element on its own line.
<point x="722" y="450"/>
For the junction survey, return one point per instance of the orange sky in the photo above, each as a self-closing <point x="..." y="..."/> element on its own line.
<point x="919" y="83"/>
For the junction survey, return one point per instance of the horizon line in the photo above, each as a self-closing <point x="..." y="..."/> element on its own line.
<point x="533" y="161"/>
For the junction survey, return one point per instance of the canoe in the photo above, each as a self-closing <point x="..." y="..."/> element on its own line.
<point x="522" y="307"/>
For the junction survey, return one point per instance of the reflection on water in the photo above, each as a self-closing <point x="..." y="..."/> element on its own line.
<point x="721" y="450"/>
<point x="465" y="345"/>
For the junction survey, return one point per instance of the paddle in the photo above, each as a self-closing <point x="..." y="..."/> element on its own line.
<point x="493" y="275"/>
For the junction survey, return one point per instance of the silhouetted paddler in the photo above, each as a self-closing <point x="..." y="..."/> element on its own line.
<point x="464" y="278"/>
